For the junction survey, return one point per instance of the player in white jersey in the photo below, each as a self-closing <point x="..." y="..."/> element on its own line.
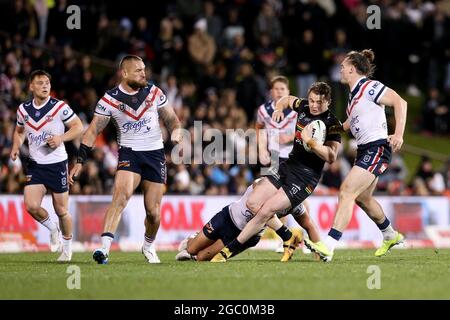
<point x="135" y="107"/>
<point x="275" y="139"/>
<point x="42" y="121"/>
<point x="278" y="137"/>
<point x="367" y="122"/>
<point x="228" y="223"/>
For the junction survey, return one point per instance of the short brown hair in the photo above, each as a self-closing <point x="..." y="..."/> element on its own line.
<point x="39" y="73"/>
<point x="281" y="79"/>
<point x="128" y="57"/>
<point x="362" y="61"/>
<point x="321" y="89"/>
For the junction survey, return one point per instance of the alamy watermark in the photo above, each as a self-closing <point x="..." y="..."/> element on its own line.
<point x="205" y="145"/>
<point x="373" y="17"/>
<point x="74" y="20"/>
<point x="73" y="282"/>
<point x="374" y="280"/>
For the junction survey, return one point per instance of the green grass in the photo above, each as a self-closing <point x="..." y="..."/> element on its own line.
<point x="405" y="274"/>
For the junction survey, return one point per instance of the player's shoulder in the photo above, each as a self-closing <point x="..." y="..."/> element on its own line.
<point x="374" y="86"/>
<point x="112" y="92"/>
<point x="329" y="118"/>
<point x="25" y="104"/>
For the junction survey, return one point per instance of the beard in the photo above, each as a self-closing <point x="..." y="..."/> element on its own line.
<point x="136" y="85"/>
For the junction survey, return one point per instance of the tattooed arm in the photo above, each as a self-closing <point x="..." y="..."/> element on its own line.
<point x="172" y="123"/>
<point x="96" y="126"/>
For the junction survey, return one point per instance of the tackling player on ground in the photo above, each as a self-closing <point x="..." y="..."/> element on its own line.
<point x="135" y="105"/>
<point x="228" y="223"/>
<point x="42" y="121"/>
<point x="367" y="122"/>
<point x="297" y="177"/>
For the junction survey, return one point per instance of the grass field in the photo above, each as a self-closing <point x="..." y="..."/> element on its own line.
<point x="405" y="274"/>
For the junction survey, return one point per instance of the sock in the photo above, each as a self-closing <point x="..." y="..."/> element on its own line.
<point x="332" y="239"/>
<point x="67" y="243"/>
<point x="387" y="230"/>
<point x="284" y="233"/>
<point x="49" y="224"/>
<point x="234" y="246"/>
<point x="148" y="242"/>
<point x="107" y="239"/>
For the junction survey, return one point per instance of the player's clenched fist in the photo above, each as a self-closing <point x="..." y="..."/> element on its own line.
<point x="75" y="173"/>
<point x="54" y="141"/>
<point x="176" y="136"/>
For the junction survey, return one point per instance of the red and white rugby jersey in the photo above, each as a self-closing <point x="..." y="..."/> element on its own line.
<point x="135" y="115"/>
<point x="286" y="126"/>
<point x="367" y="116"/>
<point x="42" y="122"/>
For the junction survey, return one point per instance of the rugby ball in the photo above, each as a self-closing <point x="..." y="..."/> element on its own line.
<point x="319" y="133"/>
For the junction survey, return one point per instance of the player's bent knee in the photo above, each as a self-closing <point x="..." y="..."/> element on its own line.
<point x="61" y="213"/>
<point x="346" y="195"/>
<point x="203" y="256"/>
<point x="192" y="249"/>
<point x="32" y="208"/>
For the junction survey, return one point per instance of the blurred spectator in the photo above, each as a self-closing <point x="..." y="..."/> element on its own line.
<point x="267" y="22"/>
<point x="202" y="47"/>
<point x="428" y="182"/>
<point x="436" y="113"/>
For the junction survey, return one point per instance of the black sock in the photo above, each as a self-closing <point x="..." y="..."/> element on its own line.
<point x="234" y="246"/>
<point x="284" y="233"/>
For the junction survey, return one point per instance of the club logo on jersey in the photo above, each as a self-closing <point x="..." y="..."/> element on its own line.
<point x="309" y="189"/>
<point x="148" y="103"/>
<point x="134" y="100"/>
<point x="37" y="114"/>
<point x="302" y="115"/>
<point x="136" y="126"/>
<point x="366" y="158"/>
<point x="295" y="188"/>
<point x="123" y="164"/>
<point x="65" y="112"/>
<point x="122" y="107"/>
<point x="49" y="118"/>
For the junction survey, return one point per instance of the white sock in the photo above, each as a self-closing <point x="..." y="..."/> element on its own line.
<point x="106" y="243"/>
<point x="67" y="244"/>
<point x="331" y="243"/>
<point x="389" y="233"/>
<point x="49" y="224"/>
<point x="148" y="242"/>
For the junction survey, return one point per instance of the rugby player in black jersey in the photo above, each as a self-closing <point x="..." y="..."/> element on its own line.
<point x="295" y="179"/>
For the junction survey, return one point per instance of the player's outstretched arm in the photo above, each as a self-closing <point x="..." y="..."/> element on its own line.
<point x="172" y="123"/>
<point x="18" y="139"/>
<point x="283" y="103"/>
<point x="75" y="129"/>
<point x="96" y="126"/>
<point x="392" y="99"/>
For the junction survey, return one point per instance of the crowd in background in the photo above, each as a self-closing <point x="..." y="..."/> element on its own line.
<point x="214" y="60"/>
